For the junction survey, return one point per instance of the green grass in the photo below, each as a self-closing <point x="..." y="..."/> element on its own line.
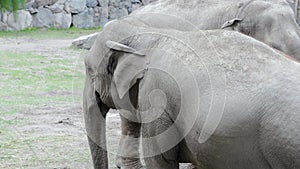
<point x="29" y="81"/>
<point x="46" y="155"/>
<point x="30" y="76"/>
<point x="51" y="33"/>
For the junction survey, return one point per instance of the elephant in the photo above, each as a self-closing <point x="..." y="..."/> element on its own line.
<point x="270" y="21"/>
<point x="216" y="98"/>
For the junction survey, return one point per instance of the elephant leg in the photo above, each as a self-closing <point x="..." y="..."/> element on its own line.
<point x="128" y="157"/>
<point x="155" y="155"/>
<point x="99" y="154"/>
<point x="94" y="116"/>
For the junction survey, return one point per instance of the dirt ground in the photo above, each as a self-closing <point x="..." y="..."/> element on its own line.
<point x="51" y="135"/>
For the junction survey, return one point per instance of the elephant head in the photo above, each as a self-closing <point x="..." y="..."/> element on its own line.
<point x="272" y="22"/>
<point x="112" y="69"/>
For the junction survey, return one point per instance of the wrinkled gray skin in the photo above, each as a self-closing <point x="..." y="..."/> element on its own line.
<point x="269" y="21"/>
<point x="260" y="121"/>
<point x="274" y="26"/>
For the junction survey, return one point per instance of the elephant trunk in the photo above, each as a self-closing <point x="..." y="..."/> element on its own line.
<point x="99" y="155"/>
<point x="95" y="122"/>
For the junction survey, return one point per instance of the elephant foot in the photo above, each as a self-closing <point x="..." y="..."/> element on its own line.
<point x="128" y="163"/>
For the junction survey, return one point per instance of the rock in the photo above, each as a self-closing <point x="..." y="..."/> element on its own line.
<point x="33" y="10"/>
<point x="114" y="3"/>
<point x="104" y="12"/>
<point x="62" y="20"/>
<point x="135" y="6"/>
<point x="44" y="18"/>
<point x="127" y="5"/>
<point x="29" y="4"/>
<point x="56" y="8"/>
<point x="91" y="3"/>
<point x="41" y="3"/>
<point x="64" y="4"/>
<point x="135" y="1"/>
<point x="100" y="17"/>
<point x="84" y="19"/>
<point x="67" y="8"/>
<point x="4" y="16"/>
<point x="85" y="42"/>
<point x="77" y="6"/>
<point x="19" y="20"/>
<point x="115" y="13"/>
<point x="103" y="3"/>
<point x="3" y="26"/>
<point x="145" y="2"/>
<point x="61" y="1"/>
<point x="83" y="13"/>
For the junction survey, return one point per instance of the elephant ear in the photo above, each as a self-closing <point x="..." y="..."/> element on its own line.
<point x="122" y="48"/>
<point x="130" y="67"/>
<point x="231" y="23"/>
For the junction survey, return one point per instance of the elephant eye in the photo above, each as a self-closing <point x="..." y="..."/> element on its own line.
<point x="89" y="69"/>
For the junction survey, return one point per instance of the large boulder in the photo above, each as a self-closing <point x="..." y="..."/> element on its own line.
<point x="29" y="4"/>
<point x="19" y="20"/>
<point x="44" y="18"/>
<point x="127" y="5"/>
<point x="91" y="3"/>
<point x="61" y="13"/>
<point x="62" y="20"/>
<point x="4" y="16"/>
<point x="114" y="3"/>
<point x="136" y="1"/>
<point x="100" y="17"/>
<point x="77" y="6"/>
<point x="40" y="3"/>
<point x="145" y="2"/>
<point x="56" y="8"/>
<point x="103" y="3"/>
<point x="115" y="13"/>
<point x="3" y="26"/>
<point x="84" y="19"/>
<point x="135" y="4"/>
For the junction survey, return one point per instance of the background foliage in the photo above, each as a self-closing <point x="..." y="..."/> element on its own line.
<point x="11" y="5"/>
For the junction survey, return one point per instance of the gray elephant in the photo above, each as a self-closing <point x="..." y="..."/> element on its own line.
<point x="218" y="99"/>
<point x="271" y="21"/>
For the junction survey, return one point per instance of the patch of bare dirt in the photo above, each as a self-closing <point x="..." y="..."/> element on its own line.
<point x="37" y="46"/>
<point x="52" y="135"/>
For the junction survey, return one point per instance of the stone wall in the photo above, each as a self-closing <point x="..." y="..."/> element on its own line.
<point x="67" y="13"/>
